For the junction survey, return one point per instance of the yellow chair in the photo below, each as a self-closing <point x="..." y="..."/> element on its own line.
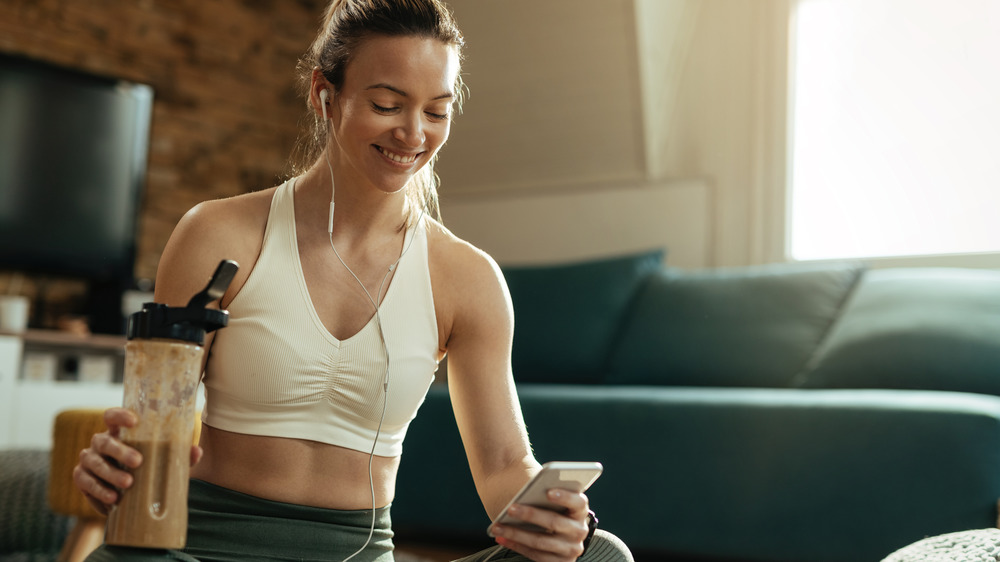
<point x="71" y="434"/>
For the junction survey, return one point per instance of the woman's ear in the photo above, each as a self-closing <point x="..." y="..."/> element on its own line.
<point x="320" y="93"/>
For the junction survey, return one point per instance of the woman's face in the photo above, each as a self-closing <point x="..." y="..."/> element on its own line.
<point x="393" y="112"/>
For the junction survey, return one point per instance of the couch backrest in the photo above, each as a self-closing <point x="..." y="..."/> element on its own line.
<point x="566" y="317"/>
<point x="915" y="328"/>
<point x="748" y="327"/>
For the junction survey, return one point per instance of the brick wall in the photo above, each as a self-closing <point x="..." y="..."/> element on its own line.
<point x="225" y="115"/>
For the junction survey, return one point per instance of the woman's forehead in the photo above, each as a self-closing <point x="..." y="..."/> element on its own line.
<point x="413" y="65"/>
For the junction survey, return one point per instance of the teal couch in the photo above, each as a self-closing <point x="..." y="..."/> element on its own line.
<point x="792" y="412"/>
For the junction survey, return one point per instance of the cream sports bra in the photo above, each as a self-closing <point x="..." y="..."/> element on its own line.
<point x="277" y="371"/>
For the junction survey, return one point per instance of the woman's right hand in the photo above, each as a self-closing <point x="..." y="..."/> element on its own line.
<point x="99" y="474"/>
<point x="103" y="470"/>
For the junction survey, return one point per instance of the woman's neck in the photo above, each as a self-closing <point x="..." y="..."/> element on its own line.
<point x="360" y="210"/>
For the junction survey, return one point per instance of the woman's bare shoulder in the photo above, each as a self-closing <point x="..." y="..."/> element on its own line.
<point x="455" y="256"/>
<point x="466" y="279"/>
<point x="212" y="231"/>
<point x="241" y="212"/>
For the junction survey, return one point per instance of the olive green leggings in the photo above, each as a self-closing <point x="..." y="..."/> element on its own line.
<point x="228" y="526"/>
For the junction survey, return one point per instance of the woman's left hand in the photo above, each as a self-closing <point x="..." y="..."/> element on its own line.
<point x="566" y="531"/>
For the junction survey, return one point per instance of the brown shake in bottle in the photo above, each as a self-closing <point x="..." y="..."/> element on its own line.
<point x="163" y="359"/>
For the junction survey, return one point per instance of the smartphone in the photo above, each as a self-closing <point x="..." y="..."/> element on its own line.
<point x="572" y="476"/>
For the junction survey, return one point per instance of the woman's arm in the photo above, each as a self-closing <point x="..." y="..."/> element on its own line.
<point x="489" y="415"/>
<point x="205" y="236"/>
<point x="481" y="385"/>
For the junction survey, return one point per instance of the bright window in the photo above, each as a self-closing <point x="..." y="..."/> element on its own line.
<point x="895" y="128"/>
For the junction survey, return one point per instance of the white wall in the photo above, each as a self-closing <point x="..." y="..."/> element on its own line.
<point x="579" y="97"/>
<point x="554" y="97"/>
<point x="560" y="226"/>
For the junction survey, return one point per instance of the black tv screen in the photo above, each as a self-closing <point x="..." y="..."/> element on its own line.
<point x="73" y="149"/>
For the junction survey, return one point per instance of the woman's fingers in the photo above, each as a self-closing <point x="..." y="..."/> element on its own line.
<point x="555" y="524"/>
<point x="116" y="418"/>
<point x="96" y="492"/>
<point x="107" y="470"/>
<point x="99" y="473"/>
<point x="108" y="447"/>
<point x="564" y="535"/>
<point x="96" y="489"/>
<point x="541" y="547"/>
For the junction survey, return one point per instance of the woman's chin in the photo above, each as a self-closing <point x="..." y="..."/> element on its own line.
<point x="391" y="188"/>
<point x="393" y="183"/>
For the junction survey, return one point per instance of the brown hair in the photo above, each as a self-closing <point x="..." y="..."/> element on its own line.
<point x="346" y="24"/>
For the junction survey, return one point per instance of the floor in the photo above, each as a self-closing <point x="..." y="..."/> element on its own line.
<point x="409" y="551"/>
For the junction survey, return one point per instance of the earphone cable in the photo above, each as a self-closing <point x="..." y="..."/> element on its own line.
<point x="385" y="346"/>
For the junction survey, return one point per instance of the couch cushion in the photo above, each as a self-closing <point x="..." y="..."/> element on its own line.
<point x="752" y="326"/>
<point x="915" y="328"/>
<point x="565" y="316"/>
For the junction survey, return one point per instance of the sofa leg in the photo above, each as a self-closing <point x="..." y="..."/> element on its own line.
<point x="84" y="538"/>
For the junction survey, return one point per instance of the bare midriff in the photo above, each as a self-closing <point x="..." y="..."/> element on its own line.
<point x="295" y="471"/>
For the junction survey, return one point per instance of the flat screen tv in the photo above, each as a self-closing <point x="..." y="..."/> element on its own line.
<point x="73" y="150"/>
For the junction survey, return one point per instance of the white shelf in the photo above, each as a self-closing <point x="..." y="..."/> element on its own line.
<point x="39" y="402"/>
<point x="28" y="407"/>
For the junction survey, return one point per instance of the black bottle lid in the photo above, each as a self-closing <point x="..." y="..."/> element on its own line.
<point x="187" y="323"/>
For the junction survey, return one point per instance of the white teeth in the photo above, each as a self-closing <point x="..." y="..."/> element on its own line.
<point x="396" y="157"/>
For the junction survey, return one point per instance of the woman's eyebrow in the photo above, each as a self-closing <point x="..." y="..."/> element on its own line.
<point x="391" y="88"/>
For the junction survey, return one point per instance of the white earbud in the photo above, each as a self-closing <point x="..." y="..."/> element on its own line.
<point x="323" y="95"/>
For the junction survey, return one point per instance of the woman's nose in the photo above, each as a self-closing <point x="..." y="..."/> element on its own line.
<point x="411" y="132"/>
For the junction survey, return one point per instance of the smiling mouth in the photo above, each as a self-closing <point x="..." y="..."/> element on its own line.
<point x="398" y="158"/>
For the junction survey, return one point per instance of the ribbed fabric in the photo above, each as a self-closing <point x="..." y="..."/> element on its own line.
<point x="277" y="371"/>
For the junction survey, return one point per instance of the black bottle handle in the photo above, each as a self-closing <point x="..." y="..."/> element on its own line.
<point x="217" y="285"/>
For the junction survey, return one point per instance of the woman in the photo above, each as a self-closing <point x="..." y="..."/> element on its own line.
<point x="338" y="317"/>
